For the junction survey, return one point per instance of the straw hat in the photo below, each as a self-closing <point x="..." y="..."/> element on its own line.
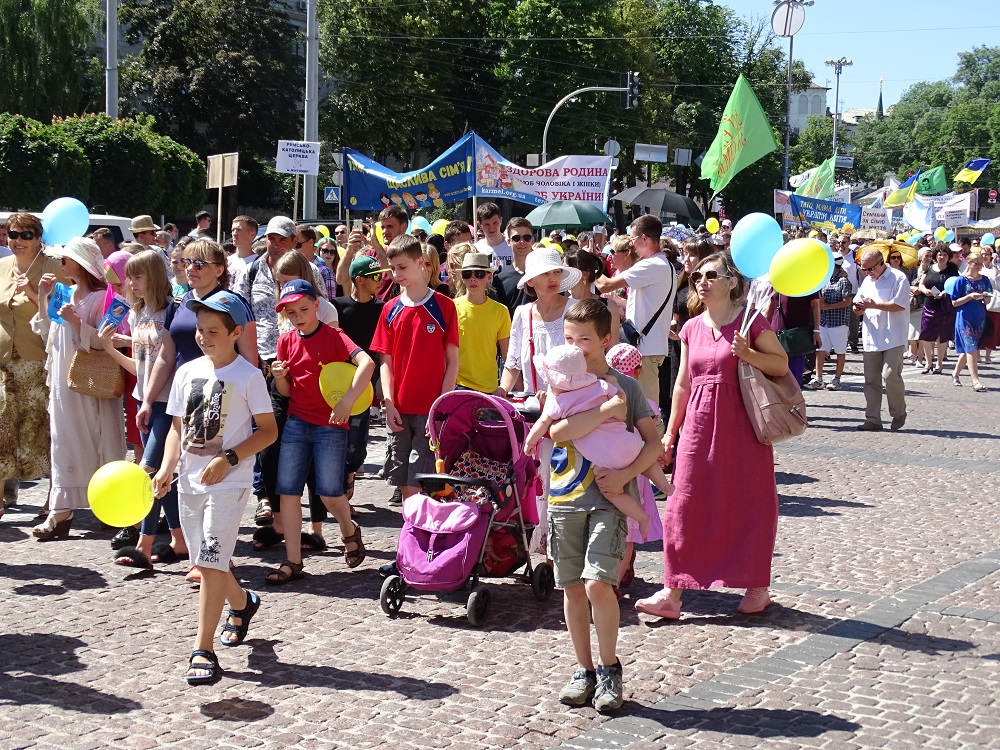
<point x="143" y="223"/>
<point x="84" y="251"/>
<point x="543" y="261"/>
<point x="564" y="367"/>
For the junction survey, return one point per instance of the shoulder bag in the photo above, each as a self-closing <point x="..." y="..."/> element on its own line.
<point x="776" y="406"/>
<point x="796" y="342"/>
<point x="993" y="303"/>
<point x="94" y="373"/>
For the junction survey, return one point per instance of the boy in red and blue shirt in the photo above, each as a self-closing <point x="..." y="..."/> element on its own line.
<point x="417" y="336"/>
<point x="314" y="433"/>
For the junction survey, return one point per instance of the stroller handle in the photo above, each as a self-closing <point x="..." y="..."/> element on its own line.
<point x="438" y="481"/>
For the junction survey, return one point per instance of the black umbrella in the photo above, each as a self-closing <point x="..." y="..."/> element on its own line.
<point x="661" y="200"/>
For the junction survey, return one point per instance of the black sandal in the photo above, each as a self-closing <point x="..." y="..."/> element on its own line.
<point x="278" y="576"/>
<point x="246" y="614"/>
<point x="132" y="557"/>
<point x="356" y="556"/>
<point x="349" y="490"/>
<point x="266" y="537"/>
<point x="312" y="542"/>
<point x="263" y="516"/>
<point x="165" y="553"/>
<point x="212" y="667"/>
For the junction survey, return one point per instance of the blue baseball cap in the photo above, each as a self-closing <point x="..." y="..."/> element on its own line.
<point x="224" y="302"/>
<point x="293" y="291"/>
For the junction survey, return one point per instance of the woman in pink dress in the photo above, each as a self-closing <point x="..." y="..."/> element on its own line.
<point x="720" y="524"/>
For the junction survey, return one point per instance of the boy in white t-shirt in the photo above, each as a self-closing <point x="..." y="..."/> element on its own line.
<point x="213" y="401"/>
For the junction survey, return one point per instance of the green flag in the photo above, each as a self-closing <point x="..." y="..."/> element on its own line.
<point x="821" y="184"/>
<point x="744" y="136"/>
<point x="932" y="182"/>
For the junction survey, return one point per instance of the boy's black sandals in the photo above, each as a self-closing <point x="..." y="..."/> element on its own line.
<point x="246" y="614"/>
<point x="211" y="667"/>
<point x="131" y="557"/>
<point x="165" y="553"/>
<point x="266" y="537"/>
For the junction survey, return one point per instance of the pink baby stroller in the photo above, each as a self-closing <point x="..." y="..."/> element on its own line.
<point x="478" y="511"/>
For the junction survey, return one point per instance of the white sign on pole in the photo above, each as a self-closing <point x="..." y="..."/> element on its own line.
<point x="223" y="170"/>
<point x="875" y="218"/>
<point x="682" y="157"/>
<point x="297" y="157"/>
<point x="955" y="217"/>
<point x="652" y="152"/>
<point x="782" y="204"/>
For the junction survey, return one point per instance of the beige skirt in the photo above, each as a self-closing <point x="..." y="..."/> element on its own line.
<point x="24" y="420"/>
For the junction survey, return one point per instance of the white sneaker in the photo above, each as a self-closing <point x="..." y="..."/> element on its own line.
<point x="814" y="385"/>
<point x="833" y="385"/>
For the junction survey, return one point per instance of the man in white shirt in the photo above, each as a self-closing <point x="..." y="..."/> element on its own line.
<point x="883" y="303"/>
<point x="244" y="231"/>
<point x="202" y="226"/>
<point x="493" y="243"/>
<point x="652" y="284"/>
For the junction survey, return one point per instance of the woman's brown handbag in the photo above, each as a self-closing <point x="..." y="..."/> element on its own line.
<point x="95" y="373"/>
<point x="776" y="406"/>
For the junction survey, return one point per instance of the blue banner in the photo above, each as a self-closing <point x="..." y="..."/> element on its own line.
<point x="370" y="186"/>
<point x="826" y="214"/>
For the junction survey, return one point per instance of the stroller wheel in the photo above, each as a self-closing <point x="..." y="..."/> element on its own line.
<point x="478" y="607"/>
<point x="391" y="598"/>
<point x="543" y="581"/>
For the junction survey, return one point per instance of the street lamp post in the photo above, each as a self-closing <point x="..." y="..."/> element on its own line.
<point x="787" y="20"/>
<point x="838" y="66"/>
<point x="545" y="131"/>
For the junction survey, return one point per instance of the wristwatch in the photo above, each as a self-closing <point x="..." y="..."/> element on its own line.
<point x="231" y="457"/>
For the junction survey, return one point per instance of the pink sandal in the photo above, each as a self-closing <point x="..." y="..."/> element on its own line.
<point x="660" y="605"/>
<point x="754" y="601"/>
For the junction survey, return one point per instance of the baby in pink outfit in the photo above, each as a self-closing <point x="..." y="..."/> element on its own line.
<point x="573" y="390"/>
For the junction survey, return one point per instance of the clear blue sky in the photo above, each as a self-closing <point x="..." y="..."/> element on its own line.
<point x="905" y="41"/>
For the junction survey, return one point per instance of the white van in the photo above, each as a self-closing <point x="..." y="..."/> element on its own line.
<point x="117" y="224"/>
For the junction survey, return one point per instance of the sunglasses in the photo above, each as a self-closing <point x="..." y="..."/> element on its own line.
<point x="521" y="238"/>
<point x="26" y="235"/>
<point x="708" y="276"/>
<point x="872" y="268"/>
<point x="478" y="274"/>
<point x="377" y="276"/>
<point x="895" y="257"/>
<point x="198" y="263"/>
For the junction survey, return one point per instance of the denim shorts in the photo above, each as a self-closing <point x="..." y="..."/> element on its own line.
<point x="323" y="446"/>
<point x="587" y="545"/>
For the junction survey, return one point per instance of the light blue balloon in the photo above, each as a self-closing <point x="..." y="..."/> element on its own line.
<point x="419" y="222"/>
<point x="988" y="239"/>
<point x="755" y="241"/>
<point x="913" y="240"/>
<point x="949" y="236"/>
<point x="950" y="284"/>
<point x="63" y="219"/>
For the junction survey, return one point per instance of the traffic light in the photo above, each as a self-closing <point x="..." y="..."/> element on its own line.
<point x="630" y="96"/>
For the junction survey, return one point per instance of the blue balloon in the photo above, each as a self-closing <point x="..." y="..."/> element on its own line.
<point x="988" y="239"/>
<point x="914" y="239"/>
<point x="63" y="219"/>
<point x="949" y="236"/>
<point x="950" y="284"/>
<point x="419" y="222"/>
<point x="756" y="239"/>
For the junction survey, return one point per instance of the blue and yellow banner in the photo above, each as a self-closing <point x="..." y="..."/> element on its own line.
<point x="826" y="214"/>
<point x="370" y="186"/>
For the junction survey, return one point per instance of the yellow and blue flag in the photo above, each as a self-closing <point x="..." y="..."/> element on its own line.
<point x="970" y="173"/>
<point x="904" y="193"/>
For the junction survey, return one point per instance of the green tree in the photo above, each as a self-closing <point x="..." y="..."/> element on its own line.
<point x="979" y="72"/>
<point x="48" y="64"/>
<point x="41" y="162"/>
<point x="815" y="143"/>
<point x="216" y="76"/>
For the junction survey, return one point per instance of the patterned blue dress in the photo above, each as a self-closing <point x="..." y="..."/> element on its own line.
<point x="970" y="318"/>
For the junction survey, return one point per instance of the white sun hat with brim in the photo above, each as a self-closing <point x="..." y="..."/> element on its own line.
<point x="84" y="251"/>
<point x="542" y="261"/>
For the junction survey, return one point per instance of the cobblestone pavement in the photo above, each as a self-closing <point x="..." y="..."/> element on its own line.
<point x="885" y="630"/>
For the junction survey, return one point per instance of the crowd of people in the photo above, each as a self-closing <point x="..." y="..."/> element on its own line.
<point x="631" y="343"/>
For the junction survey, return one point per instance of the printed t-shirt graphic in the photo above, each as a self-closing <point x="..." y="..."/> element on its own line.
<point x="571" y="474"/>
<point x="205" y="409"/>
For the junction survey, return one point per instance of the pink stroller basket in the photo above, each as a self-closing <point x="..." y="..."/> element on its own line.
<point x="483" y="497"/>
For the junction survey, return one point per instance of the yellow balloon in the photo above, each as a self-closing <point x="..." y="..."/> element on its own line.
<point x="813" y="233"/>
<point x="335" y="380"/>
<point x="439" y="226"/>
<point x="940" y="233"/>
<point x="323" y="230"/>
<point x="801" y="267"/>
<point x="902" y="237"/>
<point x="120" y="494"/>
<point x="712" y="225"/>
